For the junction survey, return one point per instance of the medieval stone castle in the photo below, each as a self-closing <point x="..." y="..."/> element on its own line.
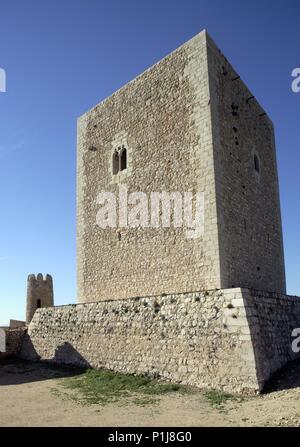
<point x="208" y="311"/>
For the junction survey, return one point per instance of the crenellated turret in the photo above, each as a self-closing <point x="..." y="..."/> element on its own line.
<point x="39" y="294"/>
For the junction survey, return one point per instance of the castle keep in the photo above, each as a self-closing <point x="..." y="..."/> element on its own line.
<point x="208" y="311"/>
<point x="188" y="123"/>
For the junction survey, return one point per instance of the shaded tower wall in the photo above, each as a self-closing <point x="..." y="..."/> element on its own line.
<point x="39" y="294"/>
<point x="247" y="187"/>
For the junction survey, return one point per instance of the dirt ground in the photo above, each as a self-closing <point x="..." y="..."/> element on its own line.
<point x="28" y="396"/>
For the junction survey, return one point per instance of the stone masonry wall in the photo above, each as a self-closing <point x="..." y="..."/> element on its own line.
<point x="231" y="339"/>
<point x="163" y="118"/>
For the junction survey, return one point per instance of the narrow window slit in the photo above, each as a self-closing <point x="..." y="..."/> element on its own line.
<point x="123" y="162"/>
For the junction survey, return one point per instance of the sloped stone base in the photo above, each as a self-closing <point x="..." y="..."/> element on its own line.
<point x="231" y="339"/>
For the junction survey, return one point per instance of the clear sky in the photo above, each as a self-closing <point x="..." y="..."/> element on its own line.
<point x="63" y="56"/>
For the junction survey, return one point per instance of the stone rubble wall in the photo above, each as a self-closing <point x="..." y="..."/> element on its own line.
<point x="227" y="339"/>
<point x="13" y="341"/>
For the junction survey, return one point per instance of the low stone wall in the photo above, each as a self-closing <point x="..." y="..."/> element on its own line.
<point x="229" y="339"/>
<point x="13" y="341"/>
<point x="15" y="324"/>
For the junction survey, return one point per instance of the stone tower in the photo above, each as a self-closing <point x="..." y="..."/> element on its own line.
<point x="39" y="294"/>
<point x="189" y="123"/>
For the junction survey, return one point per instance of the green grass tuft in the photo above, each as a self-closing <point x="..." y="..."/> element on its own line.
<point x="103" y="387"/>
<point x="218" y="398"/>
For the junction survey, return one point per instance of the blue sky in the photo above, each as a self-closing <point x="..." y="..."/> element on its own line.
<point x="64" y="56"/>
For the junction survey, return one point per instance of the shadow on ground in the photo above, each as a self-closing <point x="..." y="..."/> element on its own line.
<point x="14" y="371"/>
<point x="66" y="362"/>
<point x="286" y="378"/>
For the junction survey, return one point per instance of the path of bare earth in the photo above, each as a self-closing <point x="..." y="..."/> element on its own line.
<point x="28" y="398"/>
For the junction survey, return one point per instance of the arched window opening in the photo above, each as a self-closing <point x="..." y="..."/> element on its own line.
<point x="256" y="164"/>
<point x="38" y="304"/>
<point x="123" y="164"/>
<point x="115" y="163"/>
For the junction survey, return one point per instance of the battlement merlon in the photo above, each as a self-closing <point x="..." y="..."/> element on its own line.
<point x="40" y="277"/>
